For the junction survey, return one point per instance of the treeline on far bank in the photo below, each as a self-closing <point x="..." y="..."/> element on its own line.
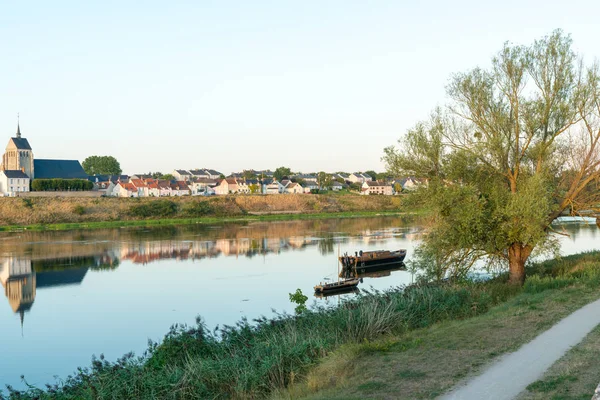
<point x="62" y="210"/>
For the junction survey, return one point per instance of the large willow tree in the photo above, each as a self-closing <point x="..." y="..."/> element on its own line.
<point x="517" y="145"/>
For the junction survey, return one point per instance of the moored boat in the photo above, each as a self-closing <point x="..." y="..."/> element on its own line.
<point x="365" y="261"/>
<point x="342" y="285"/>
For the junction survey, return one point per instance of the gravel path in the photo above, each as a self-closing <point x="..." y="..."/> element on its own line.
<point x="510" y="374"/>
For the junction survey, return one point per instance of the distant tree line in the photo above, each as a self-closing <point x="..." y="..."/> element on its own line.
<point x="47" y="185"/>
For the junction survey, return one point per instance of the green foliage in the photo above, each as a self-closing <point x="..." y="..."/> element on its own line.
<point x="155" y="208"/>
<point x="47" y="185"/>
<point x="355" y="186"/>
<point x="101" y="165"/>
<point x="78" y="209"/>
<point x="499" y="169"/>
<point x="282" y="172"/>
<point x="27" y="203"/>
<point x="300" y="299"/>
<point x="254" y="188"/>
<point x="324" y="180"/>
<point x="198" y="208"/>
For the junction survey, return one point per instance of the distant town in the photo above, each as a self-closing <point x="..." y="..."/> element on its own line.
<point x="23" y="175"/>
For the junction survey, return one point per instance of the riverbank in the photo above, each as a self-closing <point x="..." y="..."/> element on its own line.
<point x="414" y="344"/>
<point x="88" y="213"/>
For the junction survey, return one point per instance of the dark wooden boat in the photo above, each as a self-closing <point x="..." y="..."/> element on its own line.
<point x="365" y="261"/>
<point x="345" y="284"/>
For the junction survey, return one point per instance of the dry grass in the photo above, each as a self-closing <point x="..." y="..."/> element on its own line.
<point x="31" y="211"/>
<point x="425" y="363"/>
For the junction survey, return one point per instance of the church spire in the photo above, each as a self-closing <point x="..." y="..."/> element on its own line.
<point x="18" y="127"/>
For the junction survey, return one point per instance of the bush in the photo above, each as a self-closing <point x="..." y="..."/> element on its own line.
<point x="155" y="208"/>
<point x="198" y="208"/>
<point x="78" y="209"/>
<point x="45" y="185"/>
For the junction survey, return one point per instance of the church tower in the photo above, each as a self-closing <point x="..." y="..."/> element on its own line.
<point x="18" y="155"/>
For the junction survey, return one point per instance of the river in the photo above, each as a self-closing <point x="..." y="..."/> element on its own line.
<point x="72" y="294"/>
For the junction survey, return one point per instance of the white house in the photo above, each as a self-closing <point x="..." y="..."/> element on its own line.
<point x="180" y="188"/>
<point x="13" y="182"/>
<point x="182" y="175"/>
<point x="124" y="189"/>
<point x="376" y="188"/>
<point x="336" y="186"/>
<point x="359" y="178"/>
<point x="202" y="186"/>
<point x="271" y="187"/>
<point x="294" y="187"/>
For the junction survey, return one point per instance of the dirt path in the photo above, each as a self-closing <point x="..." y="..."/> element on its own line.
<point x="510" y="374"/>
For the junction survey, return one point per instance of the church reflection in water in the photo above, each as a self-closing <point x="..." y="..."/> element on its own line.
<point x="21" y="277"/>
<point x="19" y="282"/>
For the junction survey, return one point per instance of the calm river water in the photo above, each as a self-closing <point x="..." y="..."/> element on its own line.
<point x="69" y="295"/>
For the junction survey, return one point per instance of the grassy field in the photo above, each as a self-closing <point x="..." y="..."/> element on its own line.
<point x="413" y="343"/>
<point x="74" y="213"/>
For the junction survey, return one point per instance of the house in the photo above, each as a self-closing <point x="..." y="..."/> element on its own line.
<point x="307" y="177"/>
<point x="226" y="186"/>
<point x="182" y="175"/>
<point x="13" y="182"/>
<point x="124" y="189"/>
<point x="294" y="187"/>
<point x="164" y="188"/>
<point x="270" y="186"/>
<point x="242" y="186"/>
<point x="105" y="187"/>
<point x="180" y="188"/>
<point x="358" y="177"/>
<point x="341" y="175"/>
<point x="310" y="185"/>
<point x="202" y="186"/>
<point x="212" y="174"/>
<point x="376" y="188"/>
<point x="254" y="185"/>
<point x="141" y="186"/>
<point x="337" y="186"/>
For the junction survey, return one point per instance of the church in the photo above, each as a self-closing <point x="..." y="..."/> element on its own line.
<point x="19" y="167"/>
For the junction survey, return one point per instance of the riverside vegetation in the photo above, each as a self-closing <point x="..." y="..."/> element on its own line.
<point x="371" y="346"/>
<point x="68" y="213"/>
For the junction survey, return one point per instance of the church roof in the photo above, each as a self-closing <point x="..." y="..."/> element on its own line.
<point x="21" y="143"/>
<point x="61" y="169"/>
<point x="15" y="173"/>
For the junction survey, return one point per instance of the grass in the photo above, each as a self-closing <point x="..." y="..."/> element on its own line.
<point x="425" y="363"/>
<point x="574" y="376"/>
<point x="412" y="343"/>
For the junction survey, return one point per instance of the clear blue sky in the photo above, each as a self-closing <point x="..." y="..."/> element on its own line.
<point x="313" y="85"/>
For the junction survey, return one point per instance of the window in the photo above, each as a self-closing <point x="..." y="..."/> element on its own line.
<point x="11" y="181"/>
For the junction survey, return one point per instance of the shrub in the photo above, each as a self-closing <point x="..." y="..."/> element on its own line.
<point x="198" y="208"/>
<point x="155" y="208"/>
<point x="45" y="185"/>
<point x="78" y="209"/>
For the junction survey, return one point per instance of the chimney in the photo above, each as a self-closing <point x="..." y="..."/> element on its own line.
<point x="23" y="169"/>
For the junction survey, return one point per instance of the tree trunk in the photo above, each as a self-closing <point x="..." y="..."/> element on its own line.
<point x="517" y="256"/>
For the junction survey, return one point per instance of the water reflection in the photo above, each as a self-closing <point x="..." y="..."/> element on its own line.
<point x="39" y="260"/>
